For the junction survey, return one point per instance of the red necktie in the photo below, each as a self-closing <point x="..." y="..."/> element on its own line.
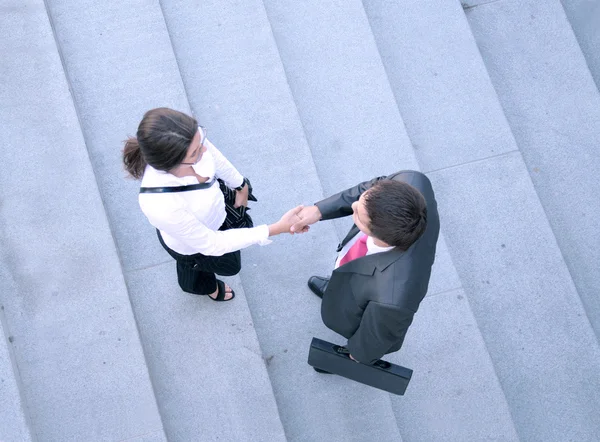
<point x="358" y="250"/>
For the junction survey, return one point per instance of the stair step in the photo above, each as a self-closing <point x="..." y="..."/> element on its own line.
<point x="13" y="421"/>
<point x="553" y="107"/>
<point x="121" y="64"/>
<point x="356" y="127"/>
<point x="439" y="80"/>
<point x="355" y="132"/>
<point x="584" y="16"/>
<point x="219" y="375"/>
<point x="522" y="297"/>
<point x="75" y="344"/>
<point x="237" y="87"/>
<point x="454" y="393"/>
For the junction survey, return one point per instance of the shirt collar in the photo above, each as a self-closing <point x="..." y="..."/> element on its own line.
<point x="374" y="248"/>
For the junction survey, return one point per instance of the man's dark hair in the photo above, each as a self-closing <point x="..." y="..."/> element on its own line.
<point x="397" y="213"/>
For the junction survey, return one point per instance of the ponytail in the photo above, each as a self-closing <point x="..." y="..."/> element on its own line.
<point x="134" y="162"/>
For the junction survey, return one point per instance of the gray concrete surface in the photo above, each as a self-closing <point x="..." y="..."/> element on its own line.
<point x="14" y="425"/>
<point x="138" y="72"/>
<point x="522" y="297"/>
<point x="584" y="16"/>
<point x="206" y="363"/>
<point x="74" y="337"/>
<point x="553" y="107"/>
<point x="454" y="394"/>
<point x="438" y="78"/>
<point x="335" y="98"/>
<point x="343" y="97"/>
<point x="237" y="87"/>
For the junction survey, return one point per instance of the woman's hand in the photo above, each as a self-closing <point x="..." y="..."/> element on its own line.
<point x="241" y="197"/>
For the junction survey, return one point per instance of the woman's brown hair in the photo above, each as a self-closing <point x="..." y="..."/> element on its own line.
<point x="163" y="138"/>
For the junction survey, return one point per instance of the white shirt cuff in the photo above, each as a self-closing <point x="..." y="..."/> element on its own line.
<point x="264" y="235"/>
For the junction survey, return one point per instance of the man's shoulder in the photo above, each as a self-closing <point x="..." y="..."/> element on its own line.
<point x="413" y="177"/>
<point x="404" y="175"/>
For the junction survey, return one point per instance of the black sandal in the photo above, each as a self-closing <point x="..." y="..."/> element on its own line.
<point x="222" y="293"/>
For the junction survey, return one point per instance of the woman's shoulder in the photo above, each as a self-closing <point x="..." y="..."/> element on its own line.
<point x="158" y="178"/>
<point x="157" y="203"/>
<point x="153" y="177"/>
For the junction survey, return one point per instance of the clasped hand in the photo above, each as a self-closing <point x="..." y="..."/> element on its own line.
<point x="305" y="218"/>
<point x="296" y="220"/>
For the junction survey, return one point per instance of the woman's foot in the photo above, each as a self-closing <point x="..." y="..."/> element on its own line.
<point x="229" y="294"/>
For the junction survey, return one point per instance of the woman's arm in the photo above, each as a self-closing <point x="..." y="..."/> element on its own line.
<point x="186" y="228"/>
<point x="224" y="169"/>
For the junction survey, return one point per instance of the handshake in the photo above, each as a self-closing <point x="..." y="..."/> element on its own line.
<point x="297" y="220"/>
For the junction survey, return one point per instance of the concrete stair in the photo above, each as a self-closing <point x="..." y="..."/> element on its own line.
<point x="13" y="420"/>
<point x="306" y="99"/>
<point x="78" y="362"/>
<point x="584" y="17"/>
<point x="553" y="108"/>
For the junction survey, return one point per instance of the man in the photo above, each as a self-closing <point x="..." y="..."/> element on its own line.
<point x="384" y="263"/>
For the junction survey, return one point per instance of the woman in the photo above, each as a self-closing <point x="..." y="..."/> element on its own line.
<point x="195" y="216"/>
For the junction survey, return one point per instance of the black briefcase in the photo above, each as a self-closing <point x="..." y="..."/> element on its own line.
<point x="382" y="374"/>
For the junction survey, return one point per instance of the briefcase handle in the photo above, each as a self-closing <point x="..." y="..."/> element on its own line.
<point x="344" y="351"/>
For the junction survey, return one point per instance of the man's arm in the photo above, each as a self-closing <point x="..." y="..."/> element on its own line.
<point x="336" y="206"/>
<point x="340" y="204"/>
<point x="381" y="327"/>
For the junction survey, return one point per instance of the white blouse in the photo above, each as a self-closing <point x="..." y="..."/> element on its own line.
<point x="189" y="221"/>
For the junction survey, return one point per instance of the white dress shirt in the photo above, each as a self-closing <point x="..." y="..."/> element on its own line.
<point x="372" y="248"/>
<point x="189" y="221"/>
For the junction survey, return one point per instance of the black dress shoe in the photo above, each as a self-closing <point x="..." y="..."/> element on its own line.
<point x="318" y="285"/>
<point x="318" y="370"/>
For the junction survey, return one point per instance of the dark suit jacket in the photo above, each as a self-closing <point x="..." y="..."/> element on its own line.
<point x="371" y="300"/>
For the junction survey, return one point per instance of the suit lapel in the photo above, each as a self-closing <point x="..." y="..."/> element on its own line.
<point x="351" y="234"/>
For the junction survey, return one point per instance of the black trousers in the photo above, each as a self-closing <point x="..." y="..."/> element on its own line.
<point x="196" y="273"/>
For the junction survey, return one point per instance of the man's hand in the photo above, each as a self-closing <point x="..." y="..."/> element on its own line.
<point x="241" y="197"/>
<point x="352" y="357"/>
<point x="286" y="222"/>
<point x="307" y="216"/>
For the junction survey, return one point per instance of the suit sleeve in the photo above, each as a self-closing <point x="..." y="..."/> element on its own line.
<point x="340" y="204"/>
<point x="381" y="327"/>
